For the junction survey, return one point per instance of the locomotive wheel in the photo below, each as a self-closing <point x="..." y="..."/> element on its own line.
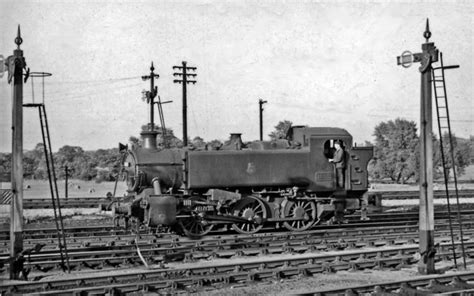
<point x="252" y="209"/>
<point x="195" y="226"/>
<point x="301" y="209"/>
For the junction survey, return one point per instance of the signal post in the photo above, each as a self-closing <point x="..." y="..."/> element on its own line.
<point x="15" y="65"/>
<point x="260" y="111"/>
<point x="150" y="95"/>
<point x="428" y="56"/>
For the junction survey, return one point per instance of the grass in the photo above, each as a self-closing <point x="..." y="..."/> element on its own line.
<point x="76" y="188"/>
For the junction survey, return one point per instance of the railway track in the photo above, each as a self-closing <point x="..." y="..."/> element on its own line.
<point x="210" y="276"/>
<point x="72" y="202"/>
<point x="95" y="248"/>
<point x="460" y="283"/>
<point x="122" y="252"/>
<point x="465" y="193"/>
<point x="105" y="224"/>
<point x="104" y="237"/>
<point x="94" y="251"/>
<point x="102" y="202"/>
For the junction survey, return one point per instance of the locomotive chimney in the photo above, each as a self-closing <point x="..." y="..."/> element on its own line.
<point x="149" y="139"/>
<point x="236" y="141"/>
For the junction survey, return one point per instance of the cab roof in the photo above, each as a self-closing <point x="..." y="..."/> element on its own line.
<point x="321" y="131"/>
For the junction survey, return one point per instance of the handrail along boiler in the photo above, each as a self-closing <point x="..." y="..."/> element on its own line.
<point x="287" y="182"/>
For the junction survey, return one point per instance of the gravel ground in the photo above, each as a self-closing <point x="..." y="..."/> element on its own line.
<point x="315" y="283"/>
<point x="320" y="282"/>
<point x="289" y="286"/>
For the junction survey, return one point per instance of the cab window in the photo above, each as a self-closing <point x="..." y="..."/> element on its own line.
<point x="329" y="147"/>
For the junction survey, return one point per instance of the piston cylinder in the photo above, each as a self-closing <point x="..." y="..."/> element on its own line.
<point x="160" y="210"/>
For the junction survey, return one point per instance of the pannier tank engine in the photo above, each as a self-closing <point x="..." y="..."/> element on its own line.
<point x="288" y="183"/>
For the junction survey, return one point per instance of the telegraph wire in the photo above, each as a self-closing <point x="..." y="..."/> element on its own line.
<point x="71" y="96"/>
<point x="108" y="80"/>
<point x="85" y="90"/>
<point x="52" y="97"/>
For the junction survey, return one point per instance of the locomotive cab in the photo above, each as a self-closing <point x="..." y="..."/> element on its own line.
<point x="321" y="143"/>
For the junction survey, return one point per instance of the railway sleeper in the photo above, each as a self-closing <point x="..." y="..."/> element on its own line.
<point x="327" y="268"/>
<point x="274" y="237"/>
<point x="253" y="276"/>
<point x="407" y="289"/>
<point x="304" y="272"/>
<point x="133" y="257"/>
<point x="380" y="256"/>
<point x="458" y="283"/>
<point x="45" y="269"/>
<point x="89" y="265"/>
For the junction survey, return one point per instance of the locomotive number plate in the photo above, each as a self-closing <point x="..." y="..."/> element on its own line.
<point x="324" y="176"/>
<point x="203" y="208"/>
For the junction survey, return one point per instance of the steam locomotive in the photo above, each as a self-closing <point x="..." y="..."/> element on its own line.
<point x="286" y="183"/>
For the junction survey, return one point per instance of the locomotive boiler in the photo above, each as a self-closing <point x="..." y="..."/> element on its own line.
<point x="286" y="183"/>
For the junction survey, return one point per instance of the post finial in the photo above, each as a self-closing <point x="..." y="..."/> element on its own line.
<point x="18" y="39"/>
<point x="152" y="68"/>
<point x="427" y="33"/>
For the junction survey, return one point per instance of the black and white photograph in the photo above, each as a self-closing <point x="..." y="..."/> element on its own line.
<point x="267" y="147"/>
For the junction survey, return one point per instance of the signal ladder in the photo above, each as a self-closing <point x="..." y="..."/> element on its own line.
<point x="53" y="186"/>
<point x="447" y="151"/>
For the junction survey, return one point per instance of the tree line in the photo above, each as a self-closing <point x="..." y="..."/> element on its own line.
<point x="396" y="154"/>
<point x="99" y="165"/>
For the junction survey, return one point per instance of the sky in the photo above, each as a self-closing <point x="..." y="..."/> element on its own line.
<point x="317" y="63"/>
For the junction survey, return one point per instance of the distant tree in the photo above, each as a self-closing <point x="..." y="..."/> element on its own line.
<point x="396" y="154"/>
<point x="214" y="144"/>
<point x="367" y="144"/>
<point x="281" y="129"/>
<point x="78" y="163"/>
<point x="41" y="170"/>
<point x="69" y="153"/>
<point x="135" y="141"/>
<point x="471" y="149"/>
<point x="29" y="165"/>
<point x="461" y="149"/>
<point x="105" y="163"/>
<point x="198" y="142"/>
<point x="34" y="165"/>
<point x="5" y="162"/>
<point x="464" y="147"/>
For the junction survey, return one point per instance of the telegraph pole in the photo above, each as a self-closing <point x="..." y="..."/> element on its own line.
<point x="184" y="80"/>
<point x="260" y="109"/>
<point x="65" y="186"/>
<point x="16" y="63"/>
<point x="428" y="56"/>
